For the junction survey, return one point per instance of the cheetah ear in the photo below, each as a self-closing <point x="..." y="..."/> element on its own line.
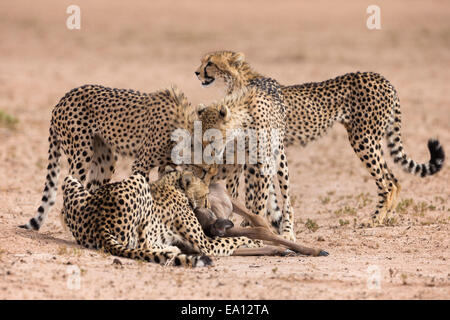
<point x="238" y="58"/>
<point x="224" y="112"/>
<point x="168" y="169"/>
<point x="186" y="179"/>
<point x="195" y="112"/>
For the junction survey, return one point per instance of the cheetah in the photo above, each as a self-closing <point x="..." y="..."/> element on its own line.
<point x="145" y="221"/>
<point x="366" y="104"/>
<point x="93" y="124"/>
<point x="254" y="103"/>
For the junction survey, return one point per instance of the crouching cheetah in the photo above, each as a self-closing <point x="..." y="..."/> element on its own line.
<point x="93" y="124"/>
<point x="150" y="222"/>
<point x="365" y="103"/>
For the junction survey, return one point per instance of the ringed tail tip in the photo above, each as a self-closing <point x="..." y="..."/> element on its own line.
<point x="437" y="156"/>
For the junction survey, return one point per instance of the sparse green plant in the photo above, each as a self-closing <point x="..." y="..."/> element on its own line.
<point x="343" y="222"/>
<point x="364" y="199"/>
<point x="347" y="210"/>
<point x="420" y="209"/>
<point x="404" y="277"/>
<point x="77" y="252"/>
<point x="8" y="120"/>
<point x="311" y="225"/>
<point x="62" y="251"/>
<point x="324" y="200"/>
<point x="41" y="163"/>
<point x="390" y="222"/>
<point x="403" y="205"/>
<point x="440" y="199"/>
<point x="294" y="199"/>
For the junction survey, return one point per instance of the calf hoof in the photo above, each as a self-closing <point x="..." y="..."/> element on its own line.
<point x="323" y="253"/>
<point x="220" y="226"/>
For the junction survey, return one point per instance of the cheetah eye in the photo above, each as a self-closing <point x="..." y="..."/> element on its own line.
<point x="209" y="64"/>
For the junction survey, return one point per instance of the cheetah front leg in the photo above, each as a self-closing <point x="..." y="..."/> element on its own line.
<point x="250" y="192"/>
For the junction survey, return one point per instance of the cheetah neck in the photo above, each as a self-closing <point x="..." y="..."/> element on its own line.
<point x="240" y="78"/>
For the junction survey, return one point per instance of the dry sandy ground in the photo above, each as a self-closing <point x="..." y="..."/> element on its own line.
<point x="148" y="45"/>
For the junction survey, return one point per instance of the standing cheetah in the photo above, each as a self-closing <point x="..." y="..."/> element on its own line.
<point x="265" y="113"/>
<point x="365" y="103"/>
<point x="93" y="124"/>
<point x="150" y="222"/>
<point x="369" y="108"/>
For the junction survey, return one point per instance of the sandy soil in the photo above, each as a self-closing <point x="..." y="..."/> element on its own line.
<point x="147" y="45"/>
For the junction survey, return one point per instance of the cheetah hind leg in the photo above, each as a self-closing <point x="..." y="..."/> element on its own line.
<point x="386" y="199"/>
<point x="373" y="159"/>
<point x="274" y="214"/>
<point x="394" y="191"/>
<point x="102" y="166"/>
<point x="250" y="195"/>
<point x="167" y="255"/>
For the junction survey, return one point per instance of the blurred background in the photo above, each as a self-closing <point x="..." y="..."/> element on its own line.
<point x="149" y="45"/>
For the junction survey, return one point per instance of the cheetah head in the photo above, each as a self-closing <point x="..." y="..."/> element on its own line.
<point x="216" y="116"/>
<point x="224" y="65"/>
<point x="216" y="124"/>
<point x="195" y="189"/>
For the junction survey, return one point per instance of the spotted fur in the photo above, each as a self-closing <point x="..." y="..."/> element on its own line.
<point x="365" y="103"/>
<point x="93" y="124"/>
<point x="150" y="222"/>
<point x="264" y="111"/>
<point x="369" y="108"/>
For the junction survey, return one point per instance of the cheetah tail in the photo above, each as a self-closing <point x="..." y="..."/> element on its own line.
<point x="163" y="257"/>
<point x="395" y="145"/>
<point x="74" y="193"/>
<point x="51" y="181"/>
